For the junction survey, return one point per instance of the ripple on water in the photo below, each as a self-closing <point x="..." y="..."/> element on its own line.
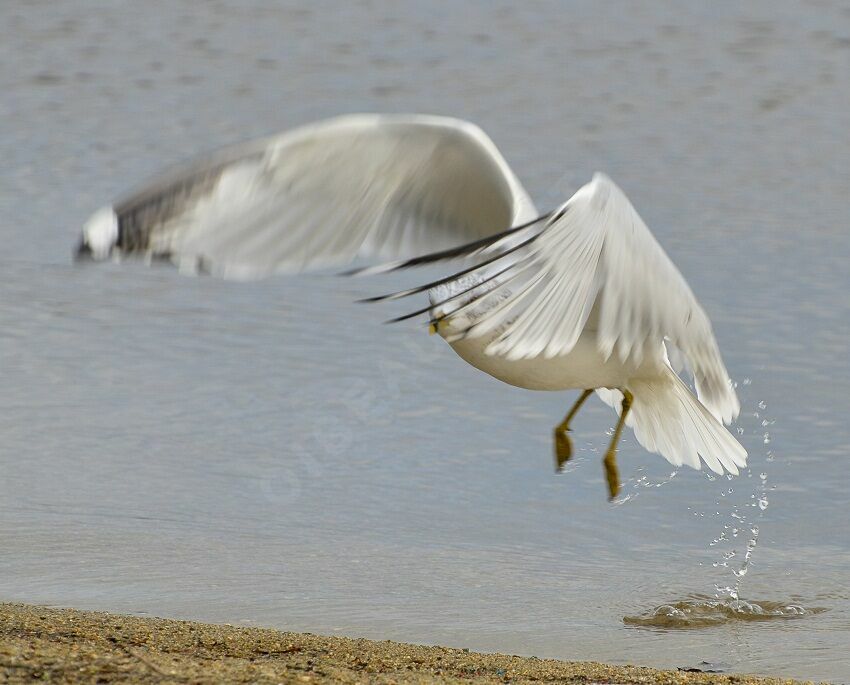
<point x="700" y="612"/>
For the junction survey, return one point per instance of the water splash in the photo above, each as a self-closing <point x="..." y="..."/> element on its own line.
<point x="642" y="482"/>
<point x="701" y="611"/>
<point x="744" y="518"/>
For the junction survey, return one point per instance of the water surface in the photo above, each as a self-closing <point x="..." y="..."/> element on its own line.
<point x="269" y="454"/>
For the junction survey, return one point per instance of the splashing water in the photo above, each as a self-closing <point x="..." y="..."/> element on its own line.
<point x="700" y="612"/>
<point x="742" y="519"/>
<point x="642" y="482"/>
<point x="726" y="605"/>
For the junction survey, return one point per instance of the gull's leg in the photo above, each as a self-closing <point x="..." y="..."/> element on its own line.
<point x="563" y="444"/>
<point x="611" y="473"/>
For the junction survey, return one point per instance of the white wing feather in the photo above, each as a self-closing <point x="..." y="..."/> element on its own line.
<point x="360" y="186"/>
<point x="597" y="266"/>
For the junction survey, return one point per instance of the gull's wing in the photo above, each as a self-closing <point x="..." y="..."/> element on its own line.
<point x="596" y="266"/>
<point x="360" y="186"/>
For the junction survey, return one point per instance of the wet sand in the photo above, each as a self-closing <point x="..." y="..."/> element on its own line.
<point x="69" y="646"/>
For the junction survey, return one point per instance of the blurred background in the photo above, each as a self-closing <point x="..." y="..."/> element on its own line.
<point x="270" y="454"/>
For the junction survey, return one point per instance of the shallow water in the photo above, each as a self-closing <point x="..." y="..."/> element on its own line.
<point x="268" y="453"/>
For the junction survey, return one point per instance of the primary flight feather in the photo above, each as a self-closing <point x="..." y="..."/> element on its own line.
<point x="582" y="297"/>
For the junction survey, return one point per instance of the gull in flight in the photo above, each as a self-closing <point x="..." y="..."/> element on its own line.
<point x="582" y="297"/>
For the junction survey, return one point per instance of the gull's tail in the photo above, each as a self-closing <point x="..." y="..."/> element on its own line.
<point x="668" y="420"/>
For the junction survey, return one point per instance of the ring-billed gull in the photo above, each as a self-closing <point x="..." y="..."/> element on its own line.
<point x="582" y="297"/>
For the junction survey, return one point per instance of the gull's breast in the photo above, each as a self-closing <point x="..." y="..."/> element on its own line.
<point x="583" y="367"/>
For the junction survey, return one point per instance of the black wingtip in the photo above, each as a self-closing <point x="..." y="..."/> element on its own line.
<point x="83" y="252"/>
<point x="466" y="250"/>
<point x="405" y="317"/>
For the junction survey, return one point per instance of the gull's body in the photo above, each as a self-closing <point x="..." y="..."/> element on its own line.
<point x="583" y="367"/>
<point x="580" y="298"/>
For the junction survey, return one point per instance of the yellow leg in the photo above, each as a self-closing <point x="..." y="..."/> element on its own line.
<point x="563" y="444"/>
<point x="612" y="475"/>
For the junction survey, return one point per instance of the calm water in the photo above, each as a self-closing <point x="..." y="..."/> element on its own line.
<point x="269" y="454"/>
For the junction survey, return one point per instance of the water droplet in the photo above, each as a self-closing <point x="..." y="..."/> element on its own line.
<point x="763" y="503"/>
<point x="747" y="381"/>
<point x="762" y="405"/>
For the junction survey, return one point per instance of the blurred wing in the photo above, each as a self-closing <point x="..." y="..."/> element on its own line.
<point x="362" y="186"/>
<point x="595" y="266"/>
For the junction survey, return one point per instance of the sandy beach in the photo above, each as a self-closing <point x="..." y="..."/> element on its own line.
<point x="70" y="646"/>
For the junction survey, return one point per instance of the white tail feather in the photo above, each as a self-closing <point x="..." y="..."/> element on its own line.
<point x="668" y="420"/>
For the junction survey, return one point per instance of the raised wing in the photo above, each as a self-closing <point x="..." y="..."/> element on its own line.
<point x="595" y="266"/>
<point x="361" y="186"/>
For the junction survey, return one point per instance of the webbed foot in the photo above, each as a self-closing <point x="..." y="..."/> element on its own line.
<point x="612" y="473"/>
<point x="563" y="448"/>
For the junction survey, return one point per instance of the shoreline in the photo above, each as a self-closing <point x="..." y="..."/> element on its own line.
<point x="71" y="646"/>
